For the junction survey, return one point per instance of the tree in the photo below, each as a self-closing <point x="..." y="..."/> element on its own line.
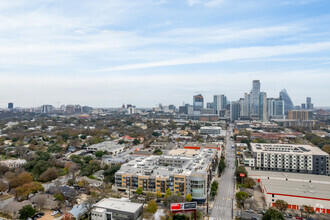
<point x="136" y="141"/>
<point x="222" y="166"/>
<point x="273" y="214"/>
<point x="188" y="197"/>
<point x="249" y="182"/>
<point x="152" y="207"/>
<point x="157" y="151"/>
<point x="26" y="211"/>
<point x="241" y="197"/>
<point x="100" y="153"/>
<point x="239" y="170"/>
<point x="109" y="174"/>
<point x="3" y="186"/>
<point x="59" y="197"/>
<point x="82" y="183"/>
<point x="309" y="210"/>
<point x="172" y="199"/>
<point x="156" y="134"/>
<point x="159" y="194"/>
<point x="40" y="201"/>
<point x="281" y="205"/>
<point x="23" y="192"/>
<point x="168" y="192"/>
<point x="214" y="189"/>
<point x="139" y="191"/>
<point x="3" y="169"/>
<point x="21" y="179"/>
<point x="50" y="174"/>
<point x="89" y="169"/>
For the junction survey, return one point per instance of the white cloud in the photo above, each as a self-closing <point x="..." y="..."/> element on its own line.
<point x="229" y="55"/>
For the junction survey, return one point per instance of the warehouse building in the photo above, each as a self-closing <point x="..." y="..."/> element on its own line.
<point x="290" y="158"/>
<point x="185" y="174"/>
<point x="116" y="209"/>
<point x="297" y="194"/>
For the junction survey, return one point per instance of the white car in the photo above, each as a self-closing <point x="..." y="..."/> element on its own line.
<point x="54" y="213"/>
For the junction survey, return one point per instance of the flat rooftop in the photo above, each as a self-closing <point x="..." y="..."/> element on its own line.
<point x="290" y="188"/>
<point x="287" y="149"/>
<point x="256" y="174"/>
<point x="118" y="204"/>
<point x="184" y="152"/>
<point x="160" y="166"/>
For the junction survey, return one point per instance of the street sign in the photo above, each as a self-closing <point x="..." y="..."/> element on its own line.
<point x="183" y="206"/>
<point x="242" y="175"/>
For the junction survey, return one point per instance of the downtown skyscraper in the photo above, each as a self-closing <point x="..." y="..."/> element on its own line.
<point x="255" y="96"/>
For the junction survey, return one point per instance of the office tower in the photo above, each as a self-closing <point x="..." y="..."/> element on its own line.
<point x="131" y="110"/>
<point x="45" y="109"/>
<point x="297" y="107"/>
<point x="224" y="102"/>
<point x="309" y="104"/>
<point x="263" y="106"/>
<point x="245" y="105"/>
<point x="172" y="108"/>
<point x="275" y="108"/>
<point x="70" y="109"/>
<point x="288" y="105"/>
<point x="216" y="104"/>
<point x="198" y="102"/>
<point x="235" y="111"/>
<point x="255" y="98"/>
<point x="183" y="110"/>
<point x="10" y="105"/>
<point x="209" y="105"/>
<point x="303" y="106"/>
<point x="87" y="109"/>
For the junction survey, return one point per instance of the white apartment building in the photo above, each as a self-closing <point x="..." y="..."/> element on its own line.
<point x="290" y="158"/>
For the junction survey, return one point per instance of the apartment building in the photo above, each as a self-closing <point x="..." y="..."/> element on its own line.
<point x="184" y="174"/>
<point x="290" y="158"/>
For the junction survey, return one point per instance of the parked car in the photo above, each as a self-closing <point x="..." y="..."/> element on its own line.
<point x="249" y="211"/>
<point x="261" y="212"/>
<point x="288" y="215"/>
<point x="255" y="218"/>
<point x="54" y="213"/>
<point x="299" y="218"/>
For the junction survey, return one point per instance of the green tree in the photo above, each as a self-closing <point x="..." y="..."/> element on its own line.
<point x="241" y="197"/>
<point x="159" y="194"/>
<point x="222" y="166"/>
<point x="281" y="205"/>
<point x="158" y="151"/>
<point x="100" y="153"/>
<point x="309" y="210"/>
<point x="156" y="134"/>
<point x="59" y="197"/>
<point x="188" y="197"/>
<point x="109" y="174"/>
<point x="139" y="191"/>
<point x="136" y="141"/>
<point x="26" y="211"/>
<point x="214" y="189"/>
<point x="152" y="207"/>
<point x="168" y="192"/>
<point x="249" y="182"/>
<point x="239" y="170"/>
<point x="89" y="169"/>
<point x="273" y="214"/>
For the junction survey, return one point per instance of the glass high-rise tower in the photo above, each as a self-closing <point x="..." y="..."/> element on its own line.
<point x="255" y="96"/>
<point x="288" y="105"/>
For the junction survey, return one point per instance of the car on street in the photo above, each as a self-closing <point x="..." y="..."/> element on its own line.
<point x="299" y="218"/>
<point x="249" y="211"/>
<point x="54" y="213"/>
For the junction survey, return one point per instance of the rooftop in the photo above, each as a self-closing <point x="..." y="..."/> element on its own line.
<point x="287" y="149"/>
<point x="290" y="188"/>
<point x="118" y="204"/>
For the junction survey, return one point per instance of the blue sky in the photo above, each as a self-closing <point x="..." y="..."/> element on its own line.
<point x="105" y="52"/>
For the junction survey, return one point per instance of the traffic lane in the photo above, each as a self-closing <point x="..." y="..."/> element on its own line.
<point x="248" y="215"/>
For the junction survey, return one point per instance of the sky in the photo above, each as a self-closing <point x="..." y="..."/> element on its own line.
<point x="104" y="53"/>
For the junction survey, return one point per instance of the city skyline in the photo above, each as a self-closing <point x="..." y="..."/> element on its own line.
<point x="106" y="53"/>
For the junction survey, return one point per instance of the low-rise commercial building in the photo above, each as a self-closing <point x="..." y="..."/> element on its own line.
<point x="297" y="194"/>
<point x="116" y="209"/>
<point x="113" y="148"/>
<point x="184" y="174"/>
<point x="290" y="158"/>
<point x="213" y="131"/>
<point x="13" y="163"/>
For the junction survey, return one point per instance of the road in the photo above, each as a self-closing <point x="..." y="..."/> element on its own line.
<point x="223" y="206"/>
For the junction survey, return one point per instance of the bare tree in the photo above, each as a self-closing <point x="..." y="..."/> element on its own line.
<point x="40" y="201"/>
